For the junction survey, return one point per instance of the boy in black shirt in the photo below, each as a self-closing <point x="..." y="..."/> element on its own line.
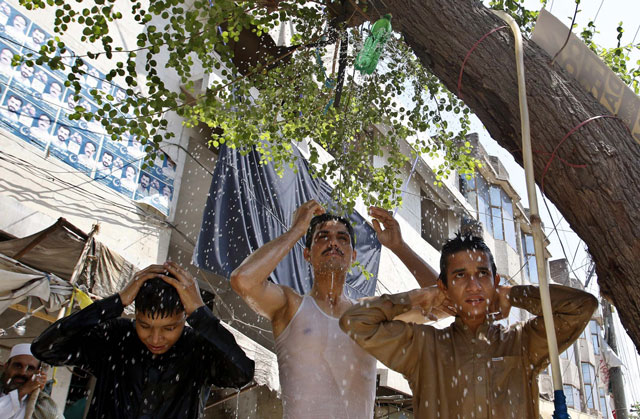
<point x="153" y="367"/>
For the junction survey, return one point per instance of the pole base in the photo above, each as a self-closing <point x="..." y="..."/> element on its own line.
<point x="560" y="404"/>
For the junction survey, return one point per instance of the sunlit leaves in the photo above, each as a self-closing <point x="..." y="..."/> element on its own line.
<point x="617" y="58"/>
<point x="281" y="101"/>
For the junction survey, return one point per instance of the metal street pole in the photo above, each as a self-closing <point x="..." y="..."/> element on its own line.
<point x="615" y="373"/>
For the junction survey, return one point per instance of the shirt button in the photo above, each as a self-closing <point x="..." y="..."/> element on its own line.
<point x="479" y="378"/>
<point x="478" y="355"/>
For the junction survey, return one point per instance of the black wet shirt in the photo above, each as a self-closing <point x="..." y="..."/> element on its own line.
<point x="131" y="381"/>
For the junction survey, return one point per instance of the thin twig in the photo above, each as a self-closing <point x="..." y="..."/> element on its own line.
<point x="569" y="34"/>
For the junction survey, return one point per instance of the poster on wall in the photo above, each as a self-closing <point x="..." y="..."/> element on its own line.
<point x="35" y="106"/>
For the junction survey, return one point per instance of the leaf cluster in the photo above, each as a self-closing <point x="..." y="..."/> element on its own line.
<point x="284" y="99"/>
<point x="618" y="58"/>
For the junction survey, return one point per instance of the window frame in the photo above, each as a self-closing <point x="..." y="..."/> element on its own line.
<point x="594" y="335"/>
<point x="483" y="196"/>
<point x="590" y="386"/>
<point x="529" y="256"/>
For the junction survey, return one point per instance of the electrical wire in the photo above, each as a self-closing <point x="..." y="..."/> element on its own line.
<point x="634" y="36"/>
<point x="598" y="12"/>
<point x="544" y="199"/>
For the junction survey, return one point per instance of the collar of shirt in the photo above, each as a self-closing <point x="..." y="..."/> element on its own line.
<point x="482" y="333"/>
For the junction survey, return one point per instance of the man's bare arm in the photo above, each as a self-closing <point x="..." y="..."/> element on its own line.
<point x="250" y="279"/>
<point x="391" y="237"/>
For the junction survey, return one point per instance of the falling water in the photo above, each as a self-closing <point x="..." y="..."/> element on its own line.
<point x="332" y="274"/>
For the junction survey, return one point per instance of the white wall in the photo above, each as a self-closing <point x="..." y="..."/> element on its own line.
<point x="37" y="191"/>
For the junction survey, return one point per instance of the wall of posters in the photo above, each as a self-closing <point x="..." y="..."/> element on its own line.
<point x="35" y="104"/>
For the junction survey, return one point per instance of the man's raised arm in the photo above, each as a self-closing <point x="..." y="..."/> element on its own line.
<point x="250" y="279"/>
<point x="391" y="237"/>
<point x="572" y="308"/>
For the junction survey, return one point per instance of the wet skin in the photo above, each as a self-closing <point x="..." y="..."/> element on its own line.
<point x="330" y="248"/>
<point x="159" y="334"/>
<point x="471" y="286"/>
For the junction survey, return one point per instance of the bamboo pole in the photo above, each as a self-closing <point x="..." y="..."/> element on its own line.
<point x="536" y="223"/>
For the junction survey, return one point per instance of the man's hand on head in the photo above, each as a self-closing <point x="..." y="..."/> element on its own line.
<point x="444" y="310"/>
<point x="37" y="381"/>
<point x="128" y="293"/>
<point x="391" y="236"/>
<point x="501" y="307"/>
<point x="429" y="300"/>
<point x="303" y="215"/>
<point x="185" y="284"/>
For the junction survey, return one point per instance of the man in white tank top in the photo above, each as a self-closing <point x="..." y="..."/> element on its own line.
<point x="323" y="373"/>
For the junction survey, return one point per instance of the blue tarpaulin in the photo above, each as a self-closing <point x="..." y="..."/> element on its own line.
<point x="249" y="205"/>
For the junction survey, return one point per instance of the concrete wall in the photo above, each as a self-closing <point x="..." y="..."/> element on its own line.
<point x="507" y="260"/>
<point x="36" y="191"/>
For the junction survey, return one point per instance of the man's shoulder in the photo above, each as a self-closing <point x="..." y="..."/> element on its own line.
<point x="291" y="294"/>
<point x="284" y="316"/>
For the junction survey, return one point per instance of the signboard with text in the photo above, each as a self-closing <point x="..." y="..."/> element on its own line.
<point x="589" y="70"/>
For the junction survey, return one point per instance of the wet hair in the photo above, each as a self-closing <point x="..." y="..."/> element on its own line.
<point x="322" y="218"/>
<point x="461" y="243"/>
<point x="157" y="298"/>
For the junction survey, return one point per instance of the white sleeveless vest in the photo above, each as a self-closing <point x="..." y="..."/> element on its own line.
<point x="324" y="374"/>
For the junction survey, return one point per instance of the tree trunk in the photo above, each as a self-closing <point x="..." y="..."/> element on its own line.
<point x="601" y="202"/>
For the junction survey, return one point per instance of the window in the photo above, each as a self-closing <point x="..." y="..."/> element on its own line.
<point x="530" y="267"/>
<point x="594" y="328"/>
<point x="603" y="404"/>
<point x="568" y="394"/>
<point x="590" y="387"/>
<point x="509" y="221"/>
<point x="495" y="204"/>
<point x="468" y="190"/>
<point x="576" y="398"/>
<point x="494" y="207"/>
<point x="476" y="191"/>
<point x="572" y="395"/>
<point x="568" y="354"/>
<point x="435" y="228"/>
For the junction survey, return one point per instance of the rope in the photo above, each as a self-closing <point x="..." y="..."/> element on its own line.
<point x="406" y="183"/>
<point x="574" y="129"/>
<point x="464" y="62"/>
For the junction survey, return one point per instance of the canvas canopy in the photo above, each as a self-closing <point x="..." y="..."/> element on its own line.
<point x="20" y="281"/>
<point x="58" y="253"/>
